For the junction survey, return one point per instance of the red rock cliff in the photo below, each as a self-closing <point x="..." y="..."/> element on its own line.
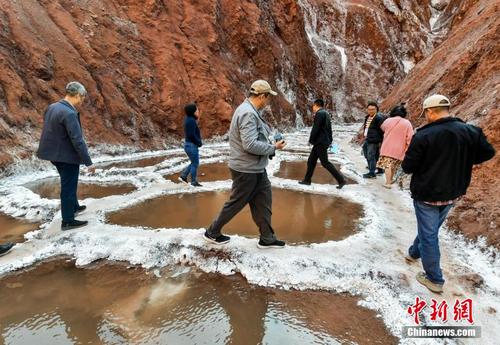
<point x="142" y="60"/>
<point x="466" y="68"/>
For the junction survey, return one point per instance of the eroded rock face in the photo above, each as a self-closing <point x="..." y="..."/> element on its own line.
<point x="465" y="67"/>
<point x="142" y="61"/>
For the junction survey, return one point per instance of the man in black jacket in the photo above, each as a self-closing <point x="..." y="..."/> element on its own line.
<point x="62" y="143"/>
<point x="440" y="157"/>
<point x="321" y="138"/>
<point x="372" y="136"/>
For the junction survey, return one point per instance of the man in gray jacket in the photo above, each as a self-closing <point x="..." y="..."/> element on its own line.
<point x="62" y="143"/>
<point x="250" y="149"/>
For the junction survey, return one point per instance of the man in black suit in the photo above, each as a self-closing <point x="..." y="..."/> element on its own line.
<point x="62" y="143"/>
<point x="321" y="138"/>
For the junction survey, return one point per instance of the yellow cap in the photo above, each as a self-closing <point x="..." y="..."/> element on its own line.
<point x="261" y="86"/>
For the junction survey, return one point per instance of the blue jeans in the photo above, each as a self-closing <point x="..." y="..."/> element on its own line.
<point x="426" y="244"/>
<point x="69" y="185"/>
<point x="371" y="153"/>
<point x="192" y="152"/>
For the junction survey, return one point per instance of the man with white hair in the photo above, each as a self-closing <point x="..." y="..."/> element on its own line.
<point x="440" y="157"/>
<point x="62" y="144"/>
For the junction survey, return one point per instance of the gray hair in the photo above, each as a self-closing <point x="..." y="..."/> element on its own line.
<point x="75" y="88"/>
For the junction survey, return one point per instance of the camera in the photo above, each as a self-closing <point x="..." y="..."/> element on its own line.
<point x="277" y="137"/>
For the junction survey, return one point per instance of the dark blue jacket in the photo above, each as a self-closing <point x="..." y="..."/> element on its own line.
<point x="191" y="131"/>
<point x="321" y="132"/>
<point x="441" y="156"/>
<point x="62" y="137"/>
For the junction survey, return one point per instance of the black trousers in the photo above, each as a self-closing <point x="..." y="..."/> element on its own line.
<point x="69" y="184"/>
<point x="253" y="189"/>
<point x="321" y="151"/>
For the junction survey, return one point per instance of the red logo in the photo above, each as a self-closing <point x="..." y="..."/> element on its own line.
<point x="462" y="310"/>
<point x="416" y="309"/>
<point x="439" y="311"/>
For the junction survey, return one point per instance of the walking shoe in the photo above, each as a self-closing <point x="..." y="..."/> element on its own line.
<point x="388" y="186"/>
<point x="73" y="225"/>
<point x="341" y="185"/>
<point x="80" y="208"/>
<point x="410" y="259"/>
<point x="369" y="175"/>
<point x="221" y="239"/>
<point x="183" y="179"/>
<point x="422" y="279"/>
<point x="380" y="171"/>
<point x="305" y="183"/>
<point x="275" y="244"/>
<point x="196" y="184"/>
<point x="5" y="248"/>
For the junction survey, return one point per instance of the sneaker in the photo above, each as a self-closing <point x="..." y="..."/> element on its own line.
<point x="341" y="185"/>
<point x="275" y="244"/>
<point x="5" y="248"/>
<point x="221" y="239"/>
<point x="183" y="179"/>
<point x="196" y="184"/>
<point x="422" y="279"/>
<point x="369" y="175"/>
<point x="388" y="186"/>
<point x="410" y="259"/>
<point x="80" y="208"/>
<point x="305" y="183"/>
<point x="73" y="225"/>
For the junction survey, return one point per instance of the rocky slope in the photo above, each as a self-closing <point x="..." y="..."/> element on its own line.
<point x="141" y="61"/>
<point x="466" y="67"/>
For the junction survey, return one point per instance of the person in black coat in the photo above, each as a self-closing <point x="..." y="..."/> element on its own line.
<point x="192" y="143"/>
<point x="440" y="157"/>
<point x="321" y="138"/>
<point x="372" y="138"/>
<point x="6" y="248"/>
<point x="63" y="144"/>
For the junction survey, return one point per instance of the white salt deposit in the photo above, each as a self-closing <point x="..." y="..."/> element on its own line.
<point x="369" y="263"/>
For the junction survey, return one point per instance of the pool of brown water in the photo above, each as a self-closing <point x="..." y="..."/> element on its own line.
<point x="207" y="172"/>
<point x="296" y="170"/>
<point x="49" y="188"/>
<point x="56" y="303"/>
<point x="139" y="163"/>
<point x="13" y="229"/>
<point x="298" y="217"/>
<point x="297" y="151"/>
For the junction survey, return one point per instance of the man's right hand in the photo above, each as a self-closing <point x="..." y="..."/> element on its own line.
<point x="280" y="145"/>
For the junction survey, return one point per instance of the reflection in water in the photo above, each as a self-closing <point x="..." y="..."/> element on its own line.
<point x="56" y="303"/>
<point x="13" y="229"/>
<point x="207" y="173"/>
<point x="49" y="188"/>
<point x="296" y="170"/>
<point x="297" y="217"/>
<point x="139" y="163"/>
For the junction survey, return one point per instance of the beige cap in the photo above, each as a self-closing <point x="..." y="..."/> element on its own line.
<point x="436" y="101"/>
<point x="261" y="86"/>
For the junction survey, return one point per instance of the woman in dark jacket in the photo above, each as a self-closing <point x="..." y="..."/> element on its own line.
<point x="192" y="143"/>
